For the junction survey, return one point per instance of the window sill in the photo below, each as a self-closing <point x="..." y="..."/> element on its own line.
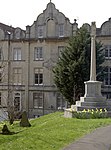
<point x="38" y="107"/>
<point x="107" y="58"/>
<point x="38" y="84"/>
<point x="18" y="60"/>
<point x="39" y="59"/>
<point x="17" y="84"/>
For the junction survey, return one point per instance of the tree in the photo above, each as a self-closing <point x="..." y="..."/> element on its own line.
<point x="8" y="105"/>
<point x="73" y="67"/>
<point x="7" y="109"/>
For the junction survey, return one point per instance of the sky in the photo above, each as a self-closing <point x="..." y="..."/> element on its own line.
<point x="20" y="13"/>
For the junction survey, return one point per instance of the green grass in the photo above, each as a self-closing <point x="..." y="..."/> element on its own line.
<point x="50" y="132"/>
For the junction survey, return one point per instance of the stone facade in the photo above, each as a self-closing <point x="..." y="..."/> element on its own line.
<point x="27" y="58"/>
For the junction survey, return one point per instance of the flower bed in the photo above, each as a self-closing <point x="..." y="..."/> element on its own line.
<point x="86" y="114"/>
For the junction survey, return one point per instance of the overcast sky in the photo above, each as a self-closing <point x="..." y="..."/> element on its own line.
<point x="20" y="13"/>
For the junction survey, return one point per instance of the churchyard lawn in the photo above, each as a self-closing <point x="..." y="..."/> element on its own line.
<point x="50" y="132"/>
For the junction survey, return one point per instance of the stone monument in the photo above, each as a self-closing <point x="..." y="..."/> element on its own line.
<point x="93" y="98"/>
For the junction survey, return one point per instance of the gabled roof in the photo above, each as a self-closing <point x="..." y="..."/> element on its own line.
<point x="6" y="27"/>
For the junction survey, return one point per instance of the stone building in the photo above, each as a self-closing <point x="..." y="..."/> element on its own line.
<point x="104" y="35"/>
<point x="27" y="58"/>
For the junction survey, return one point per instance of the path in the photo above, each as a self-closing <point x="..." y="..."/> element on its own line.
<point x="100" y="139"/>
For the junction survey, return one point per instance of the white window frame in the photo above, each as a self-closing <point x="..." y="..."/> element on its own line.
<point x="38" y="76"/>
<point x="17" y="54"/>
<point x="38" y="53"/>
<point x="17" y="76"/>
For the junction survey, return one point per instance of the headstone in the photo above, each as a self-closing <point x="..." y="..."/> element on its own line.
<point x="5" y="130"/>
<point x="24" y="120"/>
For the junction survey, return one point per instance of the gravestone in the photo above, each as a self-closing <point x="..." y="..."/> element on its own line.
<point x="5" y="130"/>
<point x="24" y="120"/>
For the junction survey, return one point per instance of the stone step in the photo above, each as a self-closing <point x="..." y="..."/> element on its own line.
<point x="93" y="104"/>
<point x="92" y="99"/>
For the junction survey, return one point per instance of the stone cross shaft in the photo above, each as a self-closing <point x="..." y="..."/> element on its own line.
<point x="93" y="53"/>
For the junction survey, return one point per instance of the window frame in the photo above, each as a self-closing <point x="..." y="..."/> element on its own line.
<point x="61" y="30"/>
<point x="17" y="76"/>
<point x="38" y="76"/>
<point x="38" y="53"/>
<point x="17" y="54"/>
<point x="108" y="51"/>
<point x="17" y="96"/>
<point x="40" y="31"/>
<point x="107" y="79"/>
<point x="38" y="100"/>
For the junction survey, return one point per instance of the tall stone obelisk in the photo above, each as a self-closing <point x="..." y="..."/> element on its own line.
<point x="93" y="53"/>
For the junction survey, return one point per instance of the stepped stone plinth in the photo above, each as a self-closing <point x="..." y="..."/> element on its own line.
<point x="92" y="98"/>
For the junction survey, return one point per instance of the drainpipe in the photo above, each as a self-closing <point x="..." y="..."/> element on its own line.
<point x="28" y="74"/>
<point x="8" y="100"/>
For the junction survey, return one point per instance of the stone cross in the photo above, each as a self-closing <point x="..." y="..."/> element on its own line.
<point x="93" y="53"/>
